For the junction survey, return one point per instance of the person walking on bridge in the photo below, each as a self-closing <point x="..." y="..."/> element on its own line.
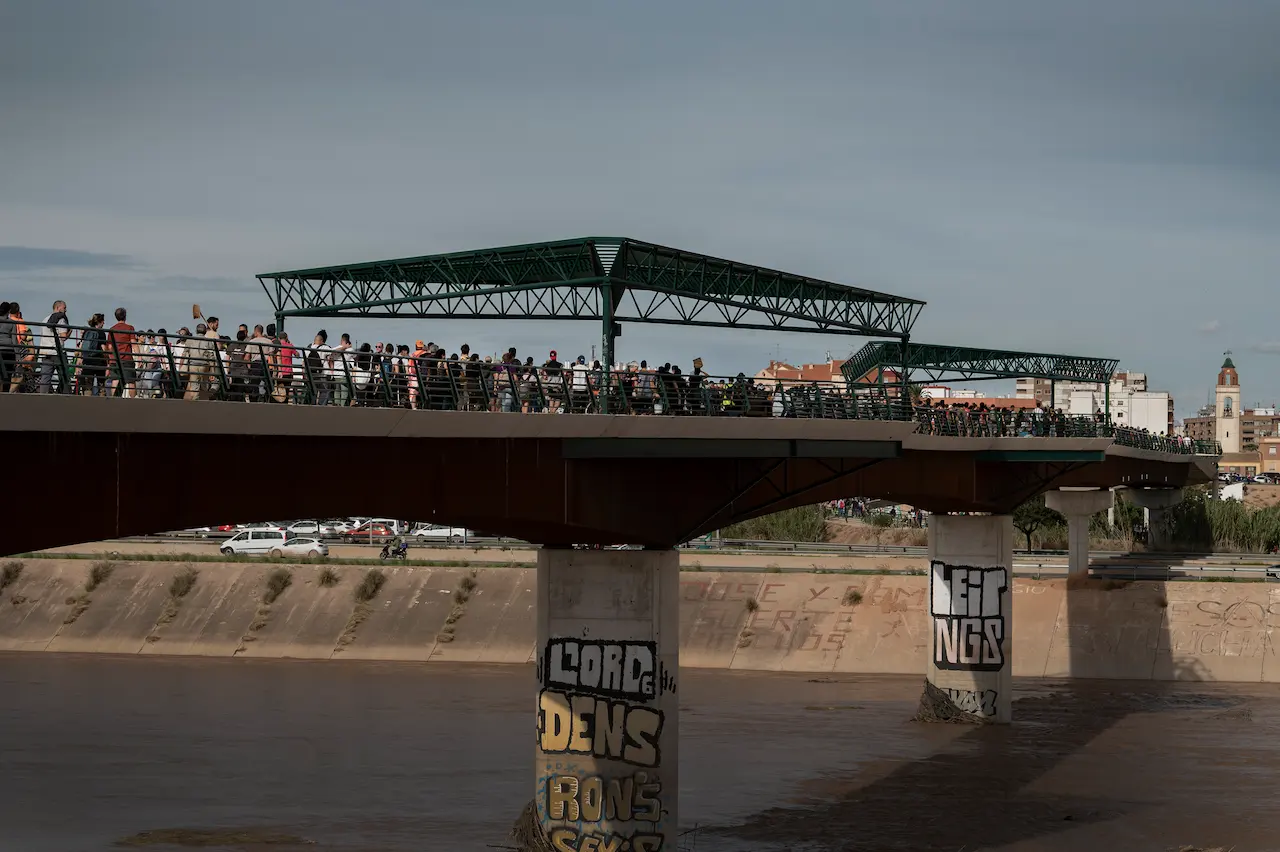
<point x="52" y="344"/>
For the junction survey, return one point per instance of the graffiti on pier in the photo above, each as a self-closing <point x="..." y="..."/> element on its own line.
<point x="597" y="799"/>
<point x="978" y="703"/>
<point x="629" y="670"/>
<point x="598" y="727"/>
<point x="967" y="607"/>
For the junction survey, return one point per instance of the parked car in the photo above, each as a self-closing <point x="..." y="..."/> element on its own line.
<point x="373" y="528"/>
<point x="435" y="532"/>
<point x="316" y="528"/>
<point x="254" y="542"/>
<point x="311" y="548"/>
<point x="261" y="525"/>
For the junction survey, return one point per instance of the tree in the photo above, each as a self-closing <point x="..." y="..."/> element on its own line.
<point x="1034" y="514"/>
<point x="880" y="522"/>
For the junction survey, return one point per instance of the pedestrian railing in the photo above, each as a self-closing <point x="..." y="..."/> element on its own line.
<point x="93" y="361"/>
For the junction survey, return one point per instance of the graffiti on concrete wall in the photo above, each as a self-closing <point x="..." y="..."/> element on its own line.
<point x="629" y="670"/>
<point x="598" y="727"/>
<point x="597" y="702"/>
<point x="593" y="700"/>
<point x="604" y="801"/>
<point x="807" y="618"/>
<point x="977" y="702"/>
<point x="967" y="606"/>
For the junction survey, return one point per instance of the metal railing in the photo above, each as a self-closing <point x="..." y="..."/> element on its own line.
<point x="985" y="422"/>
<point x="93" y="360"/>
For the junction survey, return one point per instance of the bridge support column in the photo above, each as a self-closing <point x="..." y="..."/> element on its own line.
<point x="1156" y="502"/>
<point x="1079" y="506"/>
<point x="970" y="676"/>
<point x="608" y="720"/>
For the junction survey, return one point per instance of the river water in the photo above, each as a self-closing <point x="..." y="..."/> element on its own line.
<point x="398" y="757"/>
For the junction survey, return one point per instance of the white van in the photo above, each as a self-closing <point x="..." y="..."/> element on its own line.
<point x="254" y="542"/>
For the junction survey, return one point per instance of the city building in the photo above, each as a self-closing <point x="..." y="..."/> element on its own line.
<point x="1257" y="424"/>
<point x="974" y="398"/>
<point x="1202" y="427"/>
<point x="1243" y="430"/>
<point x="825" y="371"/>
<point x="1269" y="454"/>
<point x="1226" y="408"/>
<point x="1131" y="403"/>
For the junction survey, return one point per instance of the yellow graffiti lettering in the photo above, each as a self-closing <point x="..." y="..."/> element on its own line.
<point x="609" y="727"/>
<point x="554" y="722"/>
<point x="562" y="798"/>
<point x="643" y="726"/>
<point x="584" y="708"/>
<point x="564" y="839"/>
<point x="615" y="730"/>
<point x="617" y="803"/>
<point x="592" y="798"/>
<point x="647" y="806"/>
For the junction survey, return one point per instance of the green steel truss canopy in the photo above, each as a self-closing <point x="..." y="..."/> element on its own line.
<point x="967" y="363"/>
<point x="609" y="279"/>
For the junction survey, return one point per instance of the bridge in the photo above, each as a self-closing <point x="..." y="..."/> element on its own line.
<point x="613" y="467"/>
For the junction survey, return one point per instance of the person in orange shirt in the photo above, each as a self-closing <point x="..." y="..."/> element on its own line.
<point x="24" y="350"/>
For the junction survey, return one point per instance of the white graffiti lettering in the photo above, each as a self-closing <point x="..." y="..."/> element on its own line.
<point x="978" y="703"/>
<point x="969" y="622"/>
<point x="607" y="669"/>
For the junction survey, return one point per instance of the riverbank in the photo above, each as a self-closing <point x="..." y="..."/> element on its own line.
<point x="737" y="620"/>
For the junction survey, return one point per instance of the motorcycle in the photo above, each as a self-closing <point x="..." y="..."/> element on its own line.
<point x="394" y="550"/>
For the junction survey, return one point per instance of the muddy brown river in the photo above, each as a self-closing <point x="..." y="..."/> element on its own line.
<point x="99" y="751"/>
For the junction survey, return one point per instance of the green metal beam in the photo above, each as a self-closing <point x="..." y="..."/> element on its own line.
<point x="964" y="363"/>
<point x="607" y="279"/>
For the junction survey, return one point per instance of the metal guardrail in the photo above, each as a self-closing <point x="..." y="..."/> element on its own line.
<point x="123" y="361"/>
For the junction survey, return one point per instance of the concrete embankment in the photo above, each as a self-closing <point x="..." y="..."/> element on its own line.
<point x="732" y="620"/>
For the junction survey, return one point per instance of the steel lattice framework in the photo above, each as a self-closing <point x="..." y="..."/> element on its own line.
<point x="610" y="279"/>
<point x="967" y="363"/>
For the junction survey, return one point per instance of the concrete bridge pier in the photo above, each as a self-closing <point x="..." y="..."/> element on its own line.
<point x="1079" y="505"/>
<point x="1156" y="502"/>
<point x="608" y="720"/>
<point x="970" y="675"/>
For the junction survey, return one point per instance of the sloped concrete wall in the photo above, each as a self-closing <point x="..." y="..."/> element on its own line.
<point x="809" y="622"/>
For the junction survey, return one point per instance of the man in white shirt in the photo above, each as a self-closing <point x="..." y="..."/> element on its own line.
<point x="50" y="339"/>
<point x="578" y="386"/>
<point x="341" y="363"/>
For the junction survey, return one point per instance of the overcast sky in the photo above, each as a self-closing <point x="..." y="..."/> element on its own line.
<point x="1100" y="178"/>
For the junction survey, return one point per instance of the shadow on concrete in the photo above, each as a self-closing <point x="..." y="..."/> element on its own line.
<point x="974" y="793"/>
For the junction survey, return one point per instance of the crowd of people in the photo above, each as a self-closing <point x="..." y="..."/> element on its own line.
<point x="261" y="364"/>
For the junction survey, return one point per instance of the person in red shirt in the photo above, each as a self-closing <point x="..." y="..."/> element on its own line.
<point x="288" y="355"/>
<point x="120" y="344"/>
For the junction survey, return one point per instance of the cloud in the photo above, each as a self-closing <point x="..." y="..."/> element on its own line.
<point x="1211" y="327"/>
<point x="202" y="284"/>
<point x="28" y="259"/>
<point x="1269" y="348"/>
